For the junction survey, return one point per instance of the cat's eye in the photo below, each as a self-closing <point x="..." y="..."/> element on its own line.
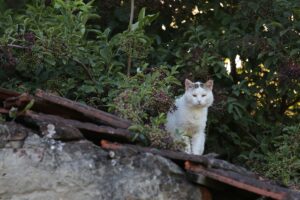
<point x="203" y="95"/>
<point x="194" y="95"/>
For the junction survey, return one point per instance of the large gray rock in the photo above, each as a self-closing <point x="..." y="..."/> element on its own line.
<point x="44" y="169"/>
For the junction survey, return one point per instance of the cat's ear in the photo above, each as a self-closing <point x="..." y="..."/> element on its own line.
<point x="188" y="84"/>
<point x="209" y="84"/>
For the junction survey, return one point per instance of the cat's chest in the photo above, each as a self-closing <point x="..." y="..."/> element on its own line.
<point x="191" y="119"/>
<point x="191" y="124"/>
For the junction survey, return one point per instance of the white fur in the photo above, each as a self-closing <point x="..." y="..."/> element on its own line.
<point x="190" y="115"/>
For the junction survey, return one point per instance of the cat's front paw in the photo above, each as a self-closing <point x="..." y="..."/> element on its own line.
<point x="188" y="147"/>
<point x="197" y="151"/>
<point x="188" y="151"/>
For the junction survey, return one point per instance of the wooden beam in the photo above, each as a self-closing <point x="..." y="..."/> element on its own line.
<point x="87" y="111"/>
<point x="206" y="194"/>
<point x="117" y="133"/>
<point x="56" y="105"/>
<point x="4" y="94"/>
<point x="179" y="156"/>
<point x="83" y="126"/>
<point x="17" y="101"/>
<point x="239" y="181"/>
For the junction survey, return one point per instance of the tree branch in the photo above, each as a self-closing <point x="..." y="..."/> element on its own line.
<point x="129" y="60"/>
<point x="131" y="15"/>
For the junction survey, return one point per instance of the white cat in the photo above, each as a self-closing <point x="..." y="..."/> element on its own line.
<point x="189" y="115"/>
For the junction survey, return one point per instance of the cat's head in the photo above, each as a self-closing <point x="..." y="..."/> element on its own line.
<point x="199" y="94"/>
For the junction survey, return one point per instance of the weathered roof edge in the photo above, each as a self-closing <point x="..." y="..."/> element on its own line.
<point x="218" y="170"/>
<point x="83" y="117"/>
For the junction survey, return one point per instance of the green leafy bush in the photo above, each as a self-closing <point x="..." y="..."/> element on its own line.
<point x="54" y="48"/>
<point x="47" y="47"/>
<point x="255" y="100"/>
<point x="282" y="161"/>
<point x="145" y="99"/>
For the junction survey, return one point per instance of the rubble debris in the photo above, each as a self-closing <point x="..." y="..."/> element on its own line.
<point x="4" y="94"/>
<point x="12" y="136"/>
<point x="50" y="131"/>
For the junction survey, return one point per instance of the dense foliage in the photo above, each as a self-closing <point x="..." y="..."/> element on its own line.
<point x="89" y="52"/>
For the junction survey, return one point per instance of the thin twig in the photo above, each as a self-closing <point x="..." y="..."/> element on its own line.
<point x="87" y="70"/>
<point x="131" y="15"/>
<point x="129" y="65"/>
<point x="129" y="60"/>
<point x="15" y="46"/>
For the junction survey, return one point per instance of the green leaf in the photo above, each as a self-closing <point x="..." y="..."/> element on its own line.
<point x="268" y="62"/>
<point x="135" y="26"/>
<point x="28" y="106"/>
<point x="143" y="20"/>
<point x="142" y="14"/>
<point x="106" y="54"/>
<point x="230" y="108"/>
<point x="294" y="52"/>
<point x="271" y="42"/>
<point x="276" y="24"/>
<point x="50" y="61"/>
<point x="281" y="33"/>
<point x="88" y="89"/>
<point x="254" y="6"/>
<point x="260" y="55"/>
<point x="135" y="128"/>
